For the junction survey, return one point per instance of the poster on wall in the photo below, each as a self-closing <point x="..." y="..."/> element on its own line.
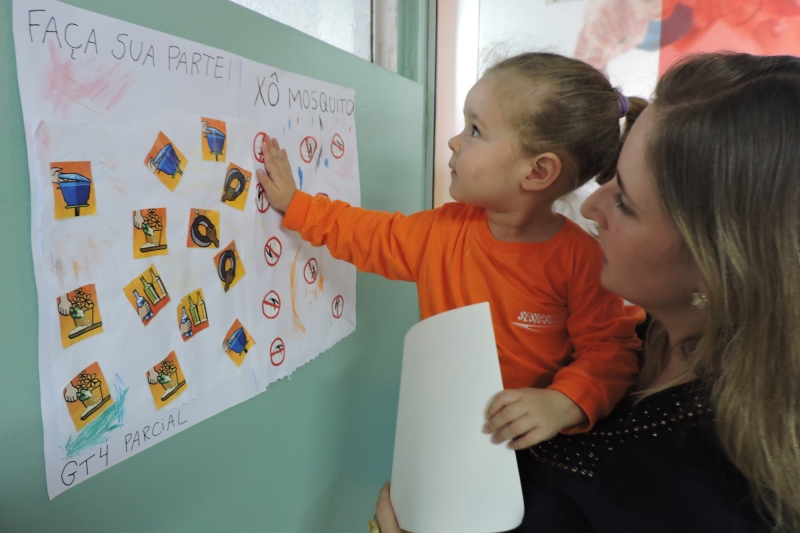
<point x="167" y="289"/>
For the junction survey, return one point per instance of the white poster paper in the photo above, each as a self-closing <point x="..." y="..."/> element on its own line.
<point x="167" y="289"/>
<point x="447" y="476"/>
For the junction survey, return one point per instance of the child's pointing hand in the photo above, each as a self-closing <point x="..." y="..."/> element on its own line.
<point x="277" y="180"/>
<point x="530" y="416"/>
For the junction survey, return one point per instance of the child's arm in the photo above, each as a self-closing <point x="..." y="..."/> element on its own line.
<point x="602" y="332"/>
<point x="389" y="244"/>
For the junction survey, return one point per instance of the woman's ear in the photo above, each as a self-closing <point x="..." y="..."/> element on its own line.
<point x="544" y="169"/>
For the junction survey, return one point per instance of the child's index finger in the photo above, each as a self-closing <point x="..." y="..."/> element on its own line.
<point x="500" y="400"/>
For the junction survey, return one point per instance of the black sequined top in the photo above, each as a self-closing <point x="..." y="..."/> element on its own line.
<point x="651" y="466"/>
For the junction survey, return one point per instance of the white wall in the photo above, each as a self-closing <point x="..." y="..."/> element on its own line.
<point x="345" y="24"/>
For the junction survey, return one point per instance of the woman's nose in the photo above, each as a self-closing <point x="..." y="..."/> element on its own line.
<point x="592" y="207"/>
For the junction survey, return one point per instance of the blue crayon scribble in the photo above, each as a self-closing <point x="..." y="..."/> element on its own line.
<point x="300" y="175"/>
<point x="121" y="392"/>
<point x="326" y="161"/>
<point x="290" y="123"/>
<point x="97" y="431"/>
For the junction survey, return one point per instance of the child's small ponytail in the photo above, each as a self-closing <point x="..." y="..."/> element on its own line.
<point x="630" y="108"/>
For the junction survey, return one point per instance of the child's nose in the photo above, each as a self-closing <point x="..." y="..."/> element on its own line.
<point x="453" y="144"/>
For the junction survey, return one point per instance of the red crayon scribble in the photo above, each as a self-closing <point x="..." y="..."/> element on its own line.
<point x="95" y="87"/>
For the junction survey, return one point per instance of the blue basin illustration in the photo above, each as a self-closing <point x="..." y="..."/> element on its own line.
<point x="238" y="342"/>
<point x="75" y="189"/>
<point x="167" y="161"/>
<point x="215" y="140"/>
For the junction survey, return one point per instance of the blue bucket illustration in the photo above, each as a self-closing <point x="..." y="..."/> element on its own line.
<point x="167" y="161"/>
<point x="215" y="140"/>
<point x="238" y="342"/>
<point x="75" y="189"/>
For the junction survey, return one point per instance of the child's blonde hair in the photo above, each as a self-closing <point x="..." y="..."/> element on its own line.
<point x="565" y="106"/>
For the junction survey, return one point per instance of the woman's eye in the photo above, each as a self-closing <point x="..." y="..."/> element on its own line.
<point x="621" y="205"/>
<point x="475" y="131"/>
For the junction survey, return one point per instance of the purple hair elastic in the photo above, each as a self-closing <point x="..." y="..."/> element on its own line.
<point x="622" y="105"/>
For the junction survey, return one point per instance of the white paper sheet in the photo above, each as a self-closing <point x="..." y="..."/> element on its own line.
<point x="447" y="477"/>
<point x="98" y="96"/>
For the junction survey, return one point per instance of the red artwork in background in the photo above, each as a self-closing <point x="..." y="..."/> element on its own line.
<point x="763" y="27"/>
<point x="677" y="28"/>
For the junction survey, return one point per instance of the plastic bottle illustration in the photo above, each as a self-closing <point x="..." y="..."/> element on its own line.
<point x="193" y="312"/>
<point x="184" y="323"/>
<point x="159" y="285"/>
<point x="149" y="291"/>
<point x="201" y="304"/>
<point x="140" y="301"/>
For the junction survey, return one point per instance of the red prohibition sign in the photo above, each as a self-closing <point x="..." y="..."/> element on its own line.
<point x="310" y="271"/>
<point x="257" y="146"/>
<point x="308" y="147"/>
<point x="272" y="251"/>
<point x="337" y="146"/>
<point x="337" y="307"/>
<point x="277" y="352"/>
<point x="271" y="305"/>
<point x="261" y="199"/>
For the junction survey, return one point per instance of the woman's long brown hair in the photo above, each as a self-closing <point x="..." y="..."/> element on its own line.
<point x="725" y="152"/>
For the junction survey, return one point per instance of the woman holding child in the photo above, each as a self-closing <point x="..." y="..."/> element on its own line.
<point x="700" y="226"/>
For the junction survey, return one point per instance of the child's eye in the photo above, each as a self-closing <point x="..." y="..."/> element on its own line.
<point x="621" y="205"/>
<point x="475" y="131"/>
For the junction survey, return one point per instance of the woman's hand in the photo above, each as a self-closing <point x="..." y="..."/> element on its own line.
<point x="384" y="512"/>
<point x="530" y="416"/>
<point x="276" y="178"/>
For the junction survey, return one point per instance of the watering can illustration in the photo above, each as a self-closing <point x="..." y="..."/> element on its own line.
<point x="235" y="183"/>
<point x="215" y="140"/>
<point x="75" y="188"/>
<point x="237" y="343"/>
<point x="167" y="161"/>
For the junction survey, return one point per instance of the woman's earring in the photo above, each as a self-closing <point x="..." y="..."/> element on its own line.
<point x="699" y="300"/>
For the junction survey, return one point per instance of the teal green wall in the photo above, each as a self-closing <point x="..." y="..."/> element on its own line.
<point x="308" y="455"/>
<point x="412" y="39"/>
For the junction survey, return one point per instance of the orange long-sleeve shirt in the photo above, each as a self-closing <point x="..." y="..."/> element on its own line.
<point x="555" y="326"/>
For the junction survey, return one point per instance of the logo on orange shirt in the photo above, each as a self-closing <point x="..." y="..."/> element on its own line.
<point x="537" y="321"/>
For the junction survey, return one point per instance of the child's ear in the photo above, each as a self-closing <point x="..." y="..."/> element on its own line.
<point x="544" y="170"/>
